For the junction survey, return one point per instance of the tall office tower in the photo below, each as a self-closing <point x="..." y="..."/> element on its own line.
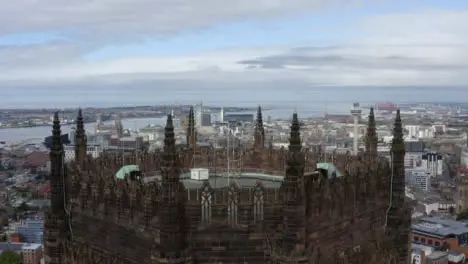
<point x="199" y="114"/>
<point x="221" y="115"/>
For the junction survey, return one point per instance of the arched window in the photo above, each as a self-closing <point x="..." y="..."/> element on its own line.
<point x="258" y="204"/>
<point x="232" y="205"/>
<point x="206" y="200"/>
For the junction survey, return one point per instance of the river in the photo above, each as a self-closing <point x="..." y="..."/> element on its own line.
<point x="40" y="132"/>
<point x="37" y="134"/>
<point x="308" y="101"/>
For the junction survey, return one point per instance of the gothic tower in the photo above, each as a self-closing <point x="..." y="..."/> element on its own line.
<point x="191" y="129"/>
<point x="173" y="243"/>
<point x="294" y="237"/>
<point x="80" y="141"/>
<point x="259" y="137"/>
<point x="398" y="217"/>
<point x="371" y="135"/>
<point x="56" y="224"/>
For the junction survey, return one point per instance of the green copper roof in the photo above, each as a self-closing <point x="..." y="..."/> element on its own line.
<point x="126" y="170"/>
<point x="330" y="168"/>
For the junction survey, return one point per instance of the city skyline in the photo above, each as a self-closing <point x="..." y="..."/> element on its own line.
<point x="195" y="47"/>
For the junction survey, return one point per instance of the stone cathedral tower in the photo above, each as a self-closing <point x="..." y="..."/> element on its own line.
<point x="80" y="141"/>
<point x="172" y="221"/>
<point x="294" y="215"/>
<point x="173" y="235"/>
<point x="399" y="214"/>
<point x="56" y="224"/>
<point x="259" y="137"/>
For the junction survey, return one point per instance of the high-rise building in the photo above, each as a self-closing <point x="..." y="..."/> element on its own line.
<point x="32" y="230"/>
<point x="356" y="113"/>
<point x="419" y="178"/>
<point x="32" y="253"/>
<point x="221" y="115"/>
<point x="433" y="162"/>
<point x="413" y="131"/>
<point x="199" y="115"/>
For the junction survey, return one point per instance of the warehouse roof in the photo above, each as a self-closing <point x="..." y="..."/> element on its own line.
<point x="439" y="227"/>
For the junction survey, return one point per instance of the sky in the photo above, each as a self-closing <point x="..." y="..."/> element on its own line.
<point x="118" y="51"/>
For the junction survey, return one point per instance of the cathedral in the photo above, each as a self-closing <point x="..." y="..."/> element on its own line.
<point x="288" y="205"/>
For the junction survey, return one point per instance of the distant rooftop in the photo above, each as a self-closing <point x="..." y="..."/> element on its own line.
<point x="438" y="227"/>
<point x="10" y="246"/>
<point x="31" y="246"/>
<point x="414" y="146"/>
<point x="18" y="246"/>
<point x="437" y="255"/>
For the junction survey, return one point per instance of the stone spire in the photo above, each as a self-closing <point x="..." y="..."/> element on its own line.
<point x="371" y="135"/>
<point x="294" y="207"/>
<point x="259" y="137"/>
<point x="56" y="225"/>
<point x="295" y="144"/>
<point x="81" y="144"/>
<point x="172" y="205"/>
<point x="169" y="155"/>
<point x="57" y="170"/>
<point x="191" y="130"/>
<point x="399" y="214"/>
<point x="398" y="156"/>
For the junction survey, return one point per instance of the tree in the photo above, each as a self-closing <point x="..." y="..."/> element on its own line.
<point x="3" y="219"/>
<point x="10" y="257"/>
<point x="23" y="207"/>
<point x="20" y="237"/>
<point x="462" y="215"/>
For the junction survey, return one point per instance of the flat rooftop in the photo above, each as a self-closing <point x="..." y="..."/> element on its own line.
<point x="437" y="255"/>
<point x="31" y="246"/>
<point x="439" y="227"/>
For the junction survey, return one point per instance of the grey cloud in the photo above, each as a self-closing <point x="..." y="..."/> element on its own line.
<point x="280" y="61"/>
<point x="335" y="57"/>
<point x="311" y="49"/>
<point x="128" y="19"/>
<point x="38" y="55"/>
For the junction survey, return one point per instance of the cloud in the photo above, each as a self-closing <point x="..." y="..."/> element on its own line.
<point x="356" y="58"/>
<point x="420" y="48"/>
<point x="127" y="19"/>
<point x="52" y="54"/>
<point x="423" y="48"/>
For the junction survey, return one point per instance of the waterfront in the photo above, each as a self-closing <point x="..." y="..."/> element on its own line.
<point x="308" y="101"/>
<point x="37" y="134"/>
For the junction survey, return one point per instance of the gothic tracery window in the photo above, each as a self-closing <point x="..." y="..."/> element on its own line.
<point x="206" y="200"/>
<point x="258" y="204"/>
<point x="232" y="205"/>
